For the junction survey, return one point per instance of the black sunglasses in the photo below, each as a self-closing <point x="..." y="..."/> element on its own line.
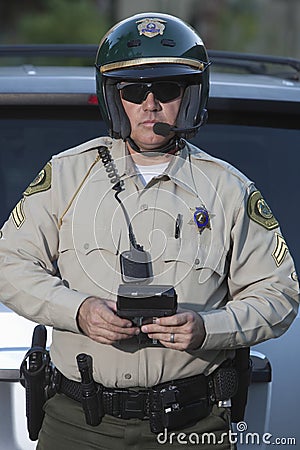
<point x="163" y="91"/>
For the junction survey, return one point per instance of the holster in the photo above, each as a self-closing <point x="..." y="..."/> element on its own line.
<point x="243" y="367"/>
<point x="231" y="381"/>
<point x="34" y="376"/>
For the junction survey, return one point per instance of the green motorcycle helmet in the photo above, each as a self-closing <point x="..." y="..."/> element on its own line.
<point x="151" y="47"/>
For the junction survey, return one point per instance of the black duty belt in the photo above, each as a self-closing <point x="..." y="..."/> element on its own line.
<point x="172" y="405"/>
<point x="166" y="405"/>
<point x="130" y="403"/>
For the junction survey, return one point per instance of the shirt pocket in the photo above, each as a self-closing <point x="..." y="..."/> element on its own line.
<point x="203" y="260"/>
<point x="89" y="262"/>
<point x="86" y="242"/>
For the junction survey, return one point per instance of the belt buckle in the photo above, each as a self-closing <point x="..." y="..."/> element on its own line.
<point x="133" y="405"/>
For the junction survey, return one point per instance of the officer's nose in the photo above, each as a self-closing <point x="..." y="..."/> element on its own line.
<point x="151" y="103"/>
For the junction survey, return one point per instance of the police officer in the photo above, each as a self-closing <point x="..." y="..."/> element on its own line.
<point x="208" y="231"/>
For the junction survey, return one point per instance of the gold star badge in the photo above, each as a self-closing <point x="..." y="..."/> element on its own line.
<point x="201" y="218"/>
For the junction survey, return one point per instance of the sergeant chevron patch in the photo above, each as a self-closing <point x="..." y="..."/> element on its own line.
<point x="18" y="215"/>
<point x="280" y="251"/>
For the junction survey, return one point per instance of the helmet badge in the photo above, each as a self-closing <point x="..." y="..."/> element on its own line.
<point x="151" y="27"/>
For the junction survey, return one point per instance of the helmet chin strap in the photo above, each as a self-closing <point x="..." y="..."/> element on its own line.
<point x="174" y="144"/>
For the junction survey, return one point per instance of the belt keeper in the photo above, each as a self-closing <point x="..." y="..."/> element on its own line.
<point x="55" y="378"/>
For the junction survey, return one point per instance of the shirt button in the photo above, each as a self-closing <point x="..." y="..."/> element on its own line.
<point x="127" y="376"/>
<point x="86" y="246"/>
<point x="143" y="207"/>
<point x="197" y="260"/>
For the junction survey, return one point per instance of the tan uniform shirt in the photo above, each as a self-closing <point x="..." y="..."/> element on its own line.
<point x="236" y="270"/>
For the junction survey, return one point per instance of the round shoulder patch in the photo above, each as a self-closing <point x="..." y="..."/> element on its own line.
<point x="42" y="181"/>
<point x="259" y="211"/>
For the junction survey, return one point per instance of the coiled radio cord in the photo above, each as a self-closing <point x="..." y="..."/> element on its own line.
<point x="112" y="173"/>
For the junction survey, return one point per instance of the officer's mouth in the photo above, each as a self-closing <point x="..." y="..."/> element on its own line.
<point x="149" y="123"/>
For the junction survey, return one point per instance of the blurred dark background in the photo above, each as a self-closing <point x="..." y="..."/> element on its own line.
<point x="253" y="26"/>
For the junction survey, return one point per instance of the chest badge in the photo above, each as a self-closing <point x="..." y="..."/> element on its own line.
<point x="201" y="218"/>
<point x="151" y="27"/>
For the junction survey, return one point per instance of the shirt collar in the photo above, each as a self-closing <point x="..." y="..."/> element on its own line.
<point x="179" y="171"/>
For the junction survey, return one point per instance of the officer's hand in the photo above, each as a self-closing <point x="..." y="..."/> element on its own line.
<point x="97" y="319"/>
<point x="186" y="327"/>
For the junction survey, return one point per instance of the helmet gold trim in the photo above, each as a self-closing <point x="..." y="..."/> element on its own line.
<point x="142" y="61"/>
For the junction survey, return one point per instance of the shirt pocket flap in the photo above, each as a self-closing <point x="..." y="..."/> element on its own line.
<point x="86" y="242"/>
<point x="208" y="258"/>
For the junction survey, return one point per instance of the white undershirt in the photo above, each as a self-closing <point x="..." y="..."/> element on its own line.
<point x="148" y="172"/>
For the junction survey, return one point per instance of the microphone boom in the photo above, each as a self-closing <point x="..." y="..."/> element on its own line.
<point x="164" y="129"/>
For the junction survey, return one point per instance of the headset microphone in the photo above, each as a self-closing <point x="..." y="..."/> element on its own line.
<point x="164" y="129"/>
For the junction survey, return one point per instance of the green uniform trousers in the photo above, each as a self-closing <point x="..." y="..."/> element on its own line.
<point x="64" y="428"/>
